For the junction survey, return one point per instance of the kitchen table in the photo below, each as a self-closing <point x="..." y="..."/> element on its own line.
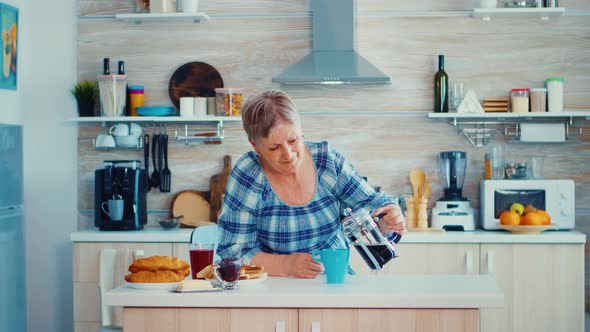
<point x="363" y="303"/>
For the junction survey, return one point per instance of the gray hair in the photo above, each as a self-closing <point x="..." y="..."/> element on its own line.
<point x="262" y="112"/>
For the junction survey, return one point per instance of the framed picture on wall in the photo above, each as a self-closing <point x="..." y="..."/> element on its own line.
<point x="8" y="44"/>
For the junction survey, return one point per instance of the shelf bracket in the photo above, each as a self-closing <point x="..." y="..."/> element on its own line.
<point x="199" y="135"/>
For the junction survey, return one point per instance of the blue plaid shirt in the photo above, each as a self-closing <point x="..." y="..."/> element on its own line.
<point x="255" y="219"/>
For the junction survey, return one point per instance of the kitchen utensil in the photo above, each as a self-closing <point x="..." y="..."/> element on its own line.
<point x="193" y="205"/>
<point x="362" y="232"/>
<point x="194" y="79"/>
<point x="155" y="175"/>
<point x="217" y="188"/>
<point x="415" y="181"/>
<point x="146" y="160"/>
<point x="161" y="160"/>
<point x="166" y="174"/>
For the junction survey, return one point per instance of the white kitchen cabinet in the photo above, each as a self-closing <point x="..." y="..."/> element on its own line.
<point x="86" y="270"/>
<point x="435" y="258"/>
<point x="542" y="285"/>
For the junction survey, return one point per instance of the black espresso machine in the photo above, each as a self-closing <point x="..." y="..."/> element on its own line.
<point x="120" y="196"/>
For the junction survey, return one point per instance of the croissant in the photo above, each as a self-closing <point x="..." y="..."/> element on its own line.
<point x="157" y="276"/>
<point x="155" y="263"/>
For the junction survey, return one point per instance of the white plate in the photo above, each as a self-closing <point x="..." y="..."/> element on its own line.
<point x="517" y="229"/>
<point x="251" y="282"/>
<point x="214" y="289"/>
<point x="152" y="285"/>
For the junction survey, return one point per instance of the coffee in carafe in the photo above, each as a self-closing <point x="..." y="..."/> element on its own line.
<point x="362" y="233"/>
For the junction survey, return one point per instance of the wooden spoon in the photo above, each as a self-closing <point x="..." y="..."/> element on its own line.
<point x="416" y="180"/>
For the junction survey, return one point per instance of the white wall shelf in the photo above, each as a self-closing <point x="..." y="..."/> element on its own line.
<point x="473" y="125"/>
<point x="154" y="119"/>
<point x="543" y="13"/>
<point x="197" y="17"/>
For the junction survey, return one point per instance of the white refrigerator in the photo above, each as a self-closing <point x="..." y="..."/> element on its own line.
<point x="12" y="255"/>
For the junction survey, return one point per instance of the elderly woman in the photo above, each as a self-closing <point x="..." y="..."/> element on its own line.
<point x="285" y="198"/>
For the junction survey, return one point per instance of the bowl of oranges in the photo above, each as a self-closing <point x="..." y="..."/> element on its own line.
<point x="521" y="219"/>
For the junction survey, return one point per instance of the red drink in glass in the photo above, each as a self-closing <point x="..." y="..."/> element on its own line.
<point x="201" y="255"/>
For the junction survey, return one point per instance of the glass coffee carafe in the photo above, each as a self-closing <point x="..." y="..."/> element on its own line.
<point x="361" y="231"/>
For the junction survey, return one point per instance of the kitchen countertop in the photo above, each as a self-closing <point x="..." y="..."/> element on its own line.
<point x="479" y="236"/>
<point x="386" y="291"/>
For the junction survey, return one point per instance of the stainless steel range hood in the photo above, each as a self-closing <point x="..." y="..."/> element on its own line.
<point x="333" y="59"/>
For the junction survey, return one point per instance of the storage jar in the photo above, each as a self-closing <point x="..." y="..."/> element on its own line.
<point x="228" y="101"/>
<point x="520" y="100"/>
<point x="538" y="100"/>
<point x="555" y="94"/>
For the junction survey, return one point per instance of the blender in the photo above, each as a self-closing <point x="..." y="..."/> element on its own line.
<point x="453" y="211"/>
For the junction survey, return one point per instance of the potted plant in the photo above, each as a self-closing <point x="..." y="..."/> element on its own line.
<point x="85" y="93"/>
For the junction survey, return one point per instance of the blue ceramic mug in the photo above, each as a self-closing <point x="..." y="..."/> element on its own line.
<point x="335" y="263"/>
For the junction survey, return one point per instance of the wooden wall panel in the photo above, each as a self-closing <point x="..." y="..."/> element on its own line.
<point x="490" y="57"/>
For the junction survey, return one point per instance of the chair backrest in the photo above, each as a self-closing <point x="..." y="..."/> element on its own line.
<point x="206" y="234"/>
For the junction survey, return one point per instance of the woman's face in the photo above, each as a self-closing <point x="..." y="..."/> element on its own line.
<point x="283" y="150"/>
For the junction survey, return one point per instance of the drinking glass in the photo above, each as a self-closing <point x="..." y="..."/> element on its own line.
<point x="227" y="272"/>
<point x="201" y="256"/>
<point x="457" y="94"/>
<point x="535" y="168"/>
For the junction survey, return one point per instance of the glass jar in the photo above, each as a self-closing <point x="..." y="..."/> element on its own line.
<point x="494" y="160"/>
<point x="228" y="101"/>
<point x="554" y="94"/>
<point x="538" y="100"/>
<point x="520" y="100"/>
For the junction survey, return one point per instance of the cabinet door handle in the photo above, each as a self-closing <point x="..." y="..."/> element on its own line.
<point x="280" y="326"/>
<point x="469" y="262"/>
<point x="491" y="264"/>
<point x="315" y="327"/>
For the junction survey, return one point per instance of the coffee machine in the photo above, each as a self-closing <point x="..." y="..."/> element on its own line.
<point x="453" y="211"/>
<point x="120" y="196"/>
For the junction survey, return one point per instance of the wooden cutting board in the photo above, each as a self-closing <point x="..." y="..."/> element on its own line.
<point x="217" y="188"/>
<point x="193" y="205"/>
<point x="194" y="79"/>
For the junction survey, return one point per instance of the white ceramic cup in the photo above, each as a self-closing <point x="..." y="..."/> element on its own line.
<point x="187" y="107"/>
<point x="134" y="129"/>
<point x="189" y="6"/>
<point x="115" y="209"/>
<point x="105" y="141"/>
<point x="200" y="106"/>
<point x="120" y="129"/>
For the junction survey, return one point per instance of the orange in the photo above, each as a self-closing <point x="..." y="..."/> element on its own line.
<point x="545" y="218"/>
<point x="509" y="218"/>
<point x="532" y="219"/>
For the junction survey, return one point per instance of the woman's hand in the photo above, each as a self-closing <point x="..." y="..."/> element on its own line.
<point x="301" y="265"/>
<point x="393" y="219"/>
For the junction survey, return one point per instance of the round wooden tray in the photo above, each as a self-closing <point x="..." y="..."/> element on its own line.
<point x="194" y="79"/>
<point x="526" y="229"/>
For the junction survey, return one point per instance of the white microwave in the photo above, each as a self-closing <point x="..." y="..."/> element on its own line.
<point x="556" y="197"/>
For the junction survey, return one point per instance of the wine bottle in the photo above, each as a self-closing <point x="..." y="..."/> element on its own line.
<point x="106" y="70"/>
<point x="121" y="71"/>
<point x="441" y="87"/>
